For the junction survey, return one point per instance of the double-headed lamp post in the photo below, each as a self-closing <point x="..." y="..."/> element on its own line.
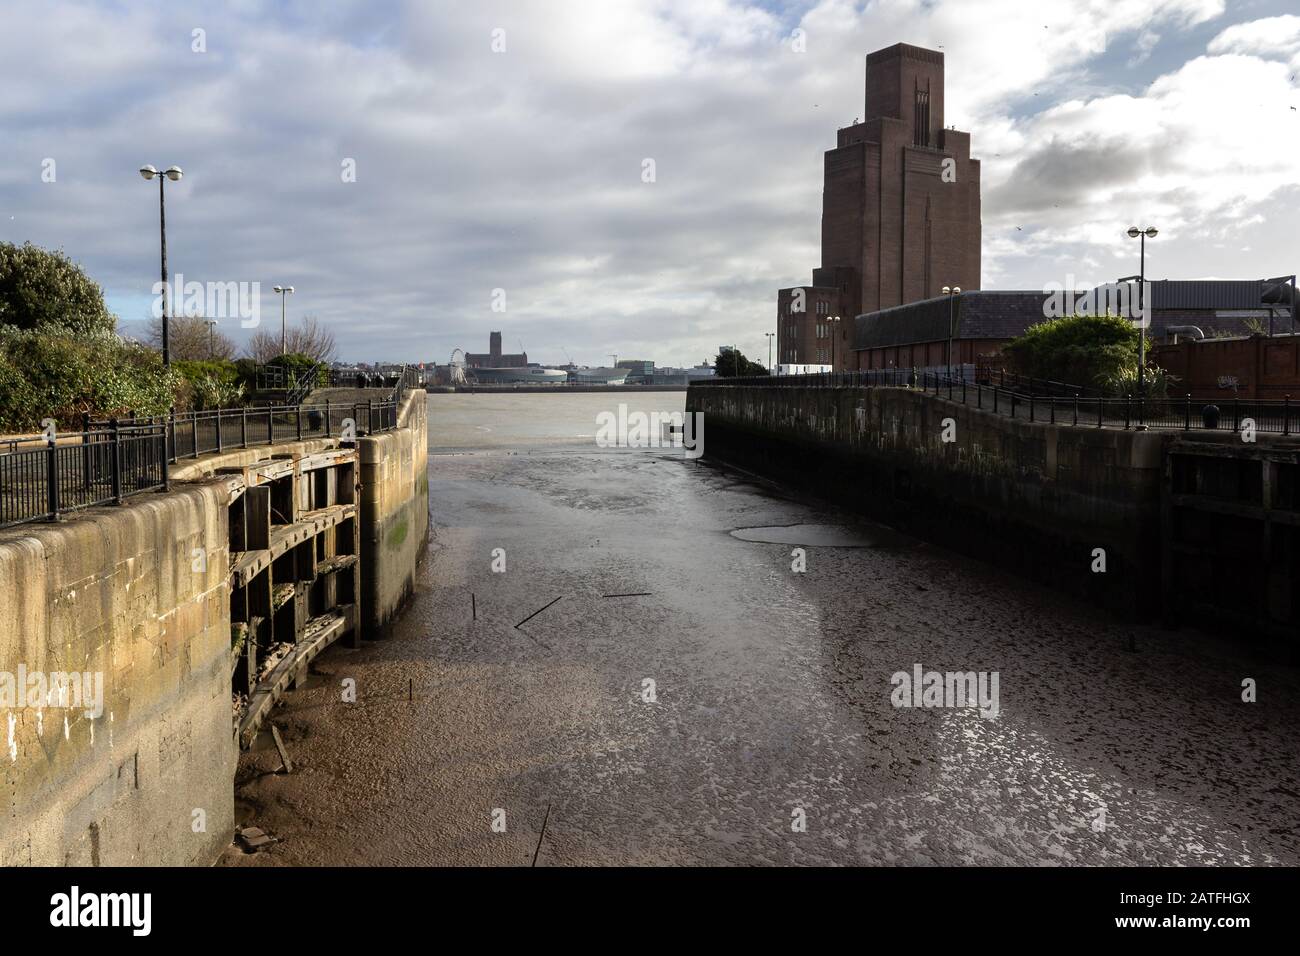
<point x="833" y="323"/>
<point x="1134" y="233"/>
<point x="951" y="292"/>
<point x="283" y="290"/>
<point x="769" y="351"/>
<point x="174" y="174"/>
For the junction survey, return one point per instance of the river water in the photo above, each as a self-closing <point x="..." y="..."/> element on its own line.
<point x="650" y="681"/>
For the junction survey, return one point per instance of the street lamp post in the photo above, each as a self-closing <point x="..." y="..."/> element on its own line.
<point x="769" y="335"/>
<point x="174" y="174"/>
<point x="283" y="290"/>
<point x="1135" y="233"/>
<point x="210" y="323"/>
<point x="834" y="324"/>
<point x="951" y="293"/>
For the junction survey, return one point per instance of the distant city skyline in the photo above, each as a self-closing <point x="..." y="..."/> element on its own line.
<point x="408" y="168"/>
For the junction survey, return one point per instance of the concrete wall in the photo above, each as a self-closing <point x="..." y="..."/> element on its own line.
<point x="394" y="514"/>
<point x="206" y="466"/>
<point x="1034" y="498"/>
<point x="115" y="591"/>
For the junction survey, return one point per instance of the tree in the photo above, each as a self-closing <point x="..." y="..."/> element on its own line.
<point x="1095" y="351"/>
<point x="189" y="339"/>
<point x="310" y="338"/>
<point x="732" y="362"/>
<point x="47" y="291"/>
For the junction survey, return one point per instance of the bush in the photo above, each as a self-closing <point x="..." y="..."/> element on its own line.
<point x="61" y="376"/>
<point x="246" y="370"/>
<point x="211" y="392"/>
<point x="221" y="370"/>
<point x="1097" y="351"/>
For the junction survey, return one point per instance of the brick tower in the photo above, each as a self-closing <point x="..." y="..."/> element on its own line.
<point x="900" y="211"/>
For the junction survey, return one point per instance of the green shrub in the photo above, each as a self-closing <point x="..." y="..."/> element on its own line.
<point x="1095" y="351"/>
<point x="222" y="370"/>
<point x="211" y="392"/>
<point x="246" y="370"/>
<point x="61" y="376"/>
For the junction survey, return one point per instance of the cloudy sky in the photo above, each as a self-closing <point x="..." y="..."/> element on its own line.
<point x="521" y="169"/>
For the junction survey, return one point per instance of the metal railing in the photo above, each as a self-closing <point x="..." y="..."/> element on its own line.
<point x="407" y="377"/>
<point x="42" y="479"/>
<point x="306" y="384"/>
<point x="298" y="383"/>
<point x="286" y="378"/>
<point x="111" y="460"/>
<point x="1027" y="384"/>
<point x="1185" y="413"/>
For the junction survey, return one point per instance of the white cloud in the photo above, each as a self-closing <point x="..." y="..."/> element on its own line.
<point x="1201" y="153"/>
<point x="521" y="170"/>
<point x="1271" y="38"/>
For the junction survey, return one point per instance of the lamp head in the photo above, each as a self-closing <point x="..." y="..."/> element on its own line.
<point x="1151" y="232"/>
<point x="174" y="173"/>
<point x="956" y="290"/>
<point x="148" y="172"/>
<point x="946" y="290"/>
<point x="1134" y="232"/>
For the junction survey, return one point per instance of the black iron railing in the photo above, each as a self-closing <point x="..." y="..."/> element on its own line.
<point x="41" y="478"/>
<point x="298" y="383"/>
<point x="407" y="377"/>
<point x="287" y="378"/>
<point x="306" y="384"/>
<point x="1029" y="385"/>
<point x="1169" y="412"/>
<point x="111" y="460"/>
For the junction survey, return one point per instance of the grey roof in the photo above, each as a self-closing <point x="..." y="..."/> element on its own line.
<point x="1207" y="294"/>
<point x="1005" y="315"/>
<point x="976" y="315"/>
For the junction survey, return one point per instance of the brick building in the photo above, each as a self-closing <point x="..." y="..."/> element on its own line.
<point x="915" y="335"/>
<point x="900" y="211"/>
<point x="493" y="358"/>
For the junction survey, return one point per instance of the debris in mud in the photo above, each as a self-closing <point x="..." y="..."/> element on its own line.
<point x="254" y="839"/>
<point x="279" y="745"/>
<point x="537" y="612"/>
<point x="277" y="652"/>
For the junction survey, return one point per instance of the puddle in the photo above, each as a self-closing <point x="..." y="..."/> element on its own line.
<point x="821" y="535"/>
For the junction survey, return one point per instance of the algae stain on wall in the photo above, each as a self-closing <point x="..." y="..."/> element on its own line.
<point x="397" y="534"/>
